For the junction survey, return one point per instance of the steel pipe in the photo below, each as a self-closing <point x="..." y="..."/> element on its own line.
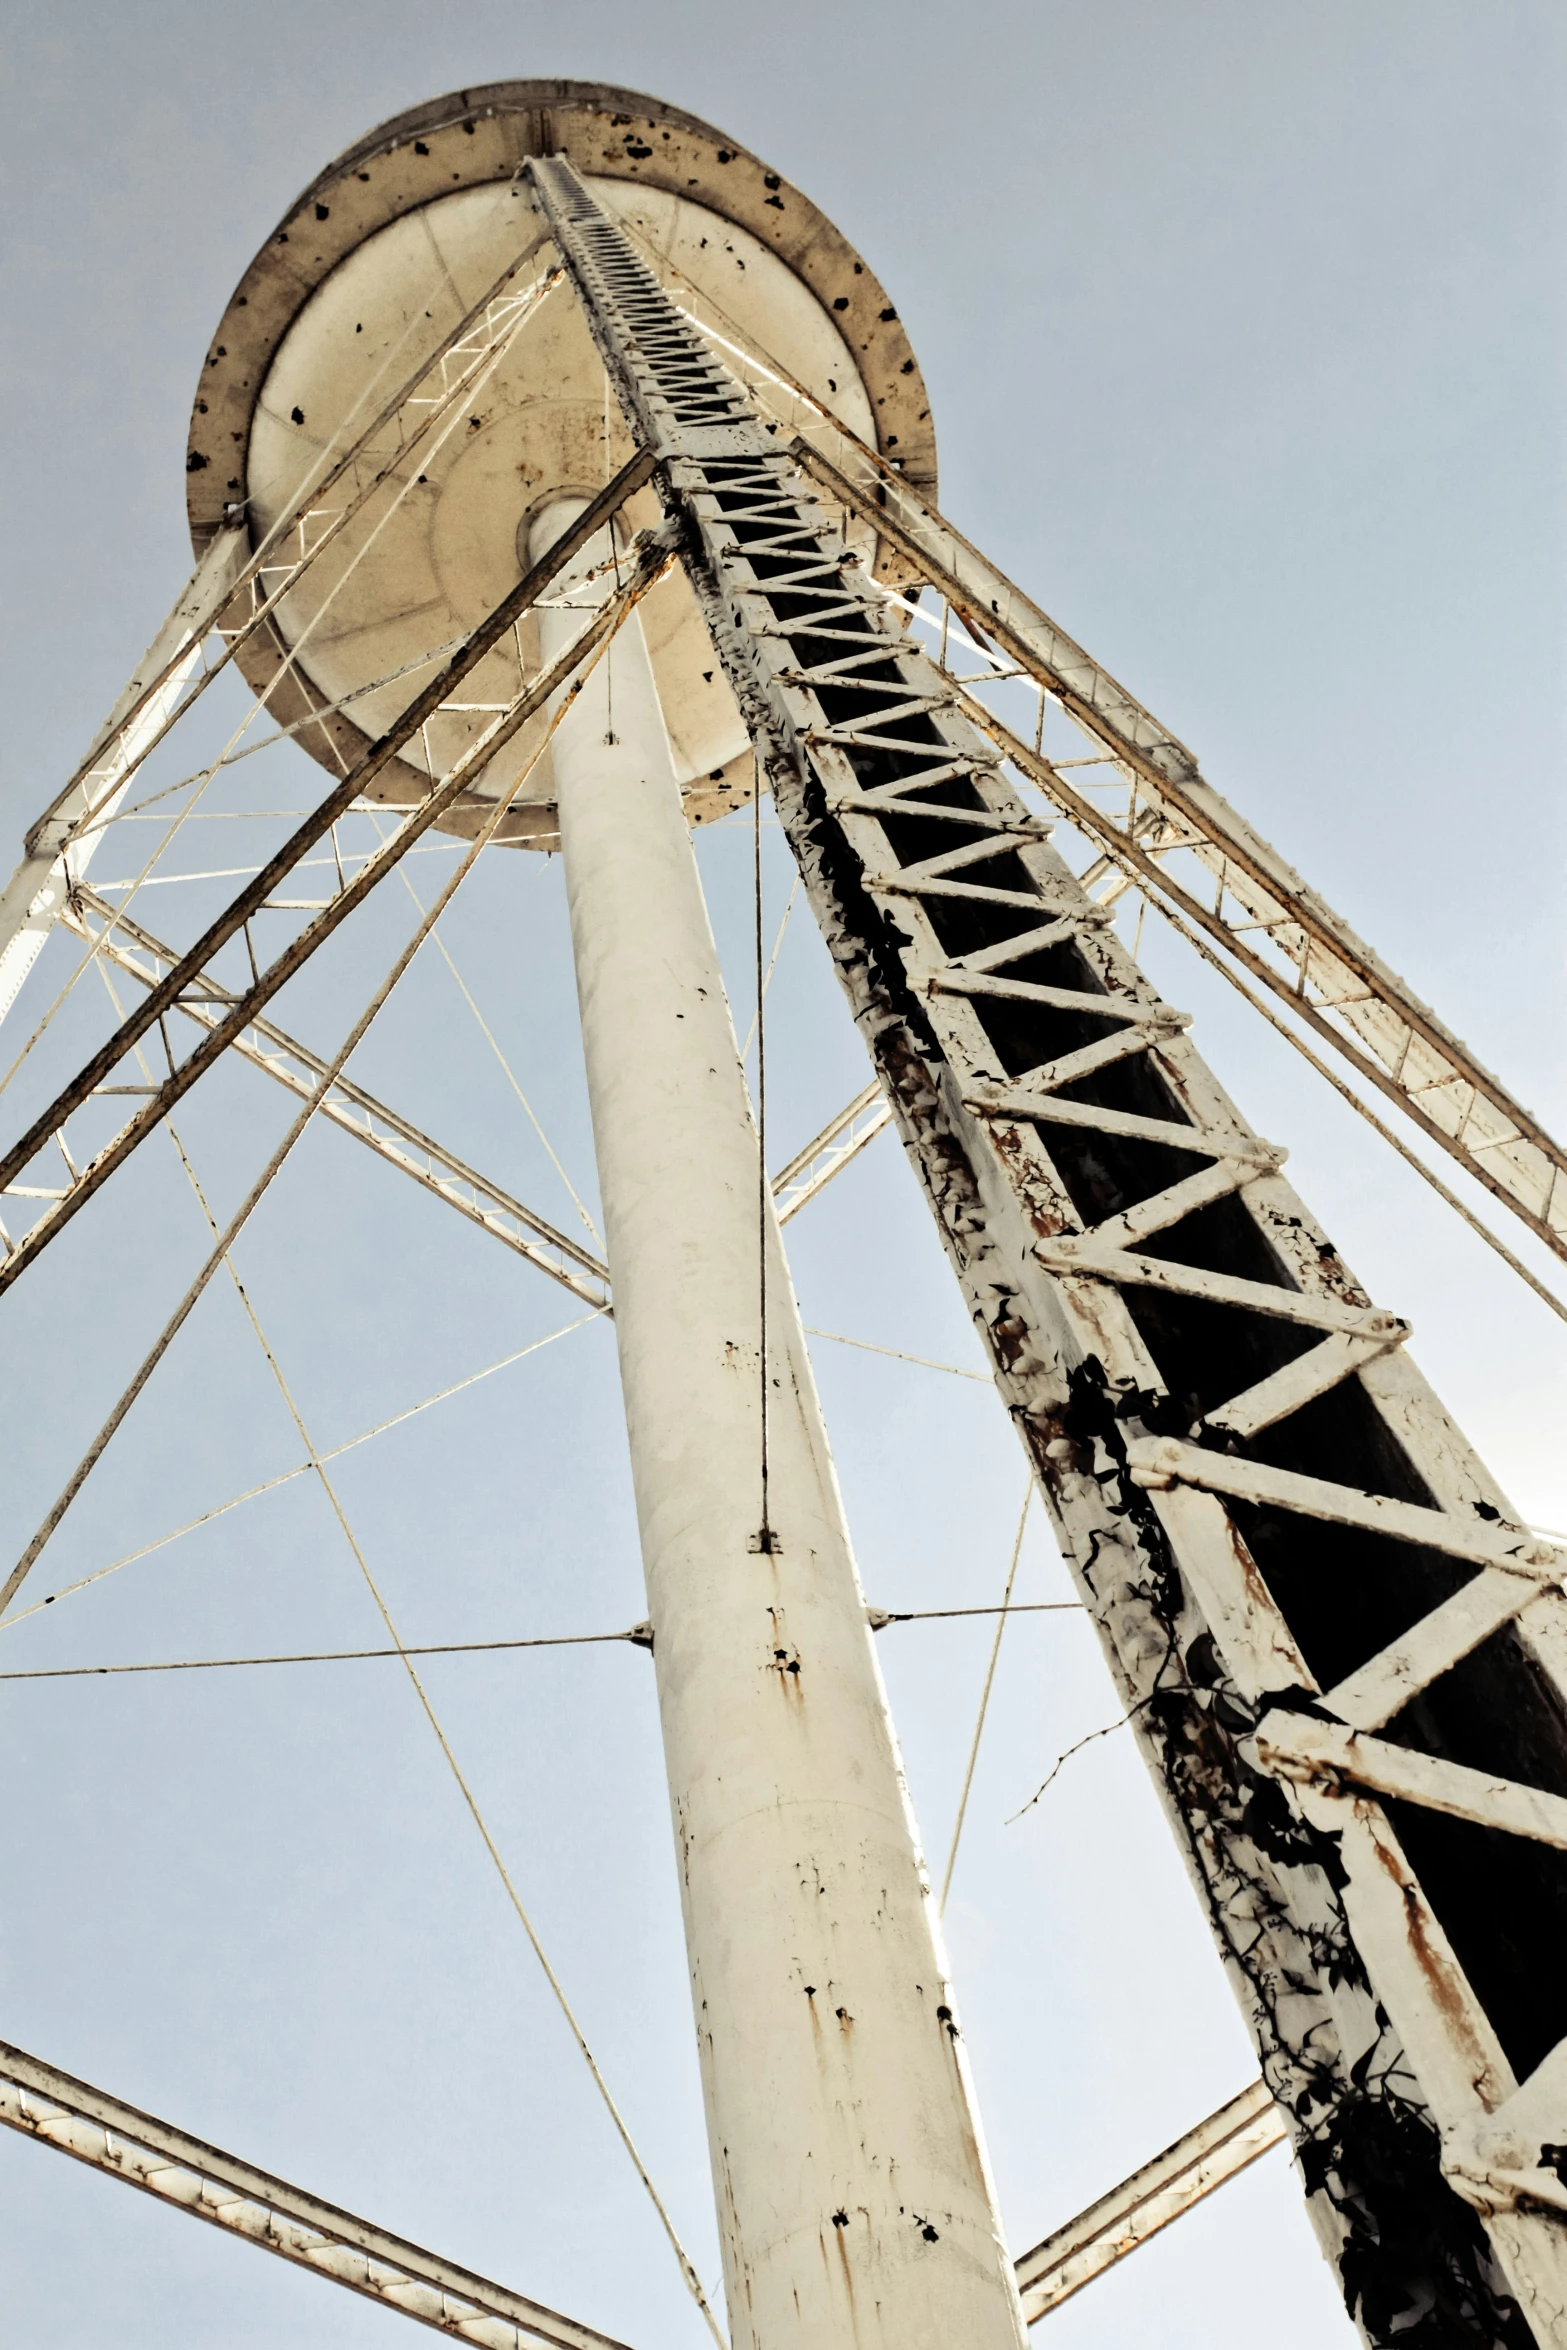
<point x="855" y="2203"/>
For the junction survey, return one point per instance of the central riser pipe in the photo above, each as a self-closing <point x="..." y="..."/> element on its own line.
<point x="854" y="2201"/>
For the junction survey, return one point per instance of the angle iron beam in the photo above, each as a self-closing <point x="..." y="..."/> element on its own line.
<point x="121" y="2142"/>
<point x="238" y="627"/>
<point x="1342" y="1948"/>
<point x="828" y="1153"/>
<point x="40" y="2101"/>
<point x="1321" y="1751"/>
<point x="358" y="1112"/>
<point x="240" y="567"/>
<point x="1132" y="858"/>
<point x="795" y="1184"/>
<point x="320" y="821"/>
<point x="1161" y="1461"/>
<point x="36" y="892"/>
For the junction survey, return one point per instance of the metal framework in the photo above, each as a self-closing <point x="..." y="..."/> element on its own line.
<point x="237" y="592"/>
<point x="1220" y="2148"/>
<point x="1285" y="1543"/>
<point x="1275" y="925"/>
<point x="1343" y="1655"/>
<point x="192" y="969"/>
<point x="131" y="948"/>
<point x="1236" y="888"/>
<point x="135" y="951"/>
<point x="119" y="2141"/>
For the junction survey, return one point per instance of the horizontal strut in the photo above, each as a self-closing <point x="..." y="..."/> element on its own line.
<point x="191" y="969"/>
<point x="1219" y="2149"/>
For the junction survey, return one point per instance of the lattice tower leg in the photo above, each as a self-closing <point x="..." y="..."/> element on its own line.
<point x="1287" y="1546"/>
<point x="854" y="2202"/>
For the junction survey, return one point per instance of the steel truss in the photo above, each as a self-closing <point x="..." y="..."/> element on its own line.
<point x="1344" y="1659"/>
<point x="133" y="949"/>
<point x="1263" y="915"/>
<point x="840" y="1140"/>
<point x="237" y="592"/>
<point x="1272" y="923"/>
<point x="1260" y="911"/>
<point x="192" y="972"/>
<point x="119" y="2141"/>
<point x="1284" y="1541"/>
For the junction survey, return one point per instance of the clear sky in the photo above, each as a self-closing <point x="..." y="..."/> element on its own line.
<point x="1243" y="327"/>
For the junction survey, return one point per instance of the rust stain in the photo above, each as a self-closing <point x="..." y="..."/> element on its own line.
<point x="785" y="1658"/>
<point x="840" y="2231"/>
<point x="1445" y="1993"/>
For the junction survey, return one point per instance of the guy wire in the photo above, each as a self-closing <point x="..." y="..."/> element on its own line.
<point x="765" y="1533"/>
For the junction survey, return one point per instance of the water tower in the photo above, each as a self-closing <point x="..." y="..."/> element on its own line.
<point x="562" y="478"/>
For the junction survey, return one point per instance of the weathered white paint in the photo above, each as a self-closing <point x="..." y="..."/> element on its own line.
<point x="1217" y="2150"/>
<point x="854" y="2198"/>
<point x="535" y="426"/>
<point x="56" y="855"/>
<point x="121" y="2142"/>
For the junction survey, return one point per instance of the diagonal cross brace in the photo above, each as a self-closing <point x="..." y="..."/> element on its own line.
<point x="357" y="1112"/>
<point x="117" y="2139"/>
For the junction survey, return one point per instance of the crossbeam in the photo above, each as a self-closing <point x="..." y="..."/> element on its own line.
<point x="231" y="569"/>
<point x="352" y="1109"/>
<point x="232" y="922"/>
<point x="121" y="2142"/>
<point x="407" y="1147"/>
<point x="828" y="1153"/>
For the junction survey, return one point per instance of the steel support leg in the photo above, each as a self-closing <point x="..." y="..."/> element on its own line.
<point x="854" y="2200"/>
<point x="1285" y="1543"/>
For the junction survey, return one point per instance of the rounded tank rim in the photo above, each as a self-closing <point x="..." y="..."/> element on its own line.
<point x="484" y="134"/>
